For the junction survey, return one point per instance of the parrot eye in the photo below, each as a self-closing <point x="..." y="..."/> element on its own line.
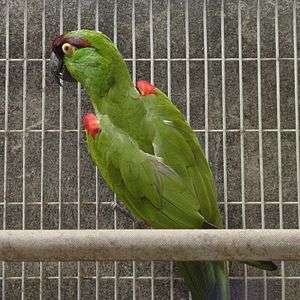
<point x="68" y="49"/>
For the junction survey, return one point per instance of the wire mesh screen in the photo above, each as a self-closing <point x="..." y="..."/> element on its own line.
<point x="230" y="66"/>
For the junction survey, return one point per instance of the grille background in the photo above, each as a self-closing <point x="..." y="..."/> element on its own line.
<point x="230" y="66"/>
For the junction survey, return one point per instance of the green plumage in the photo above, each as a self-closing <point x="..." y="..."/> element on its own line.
<point x="149" y="156"/>
<point x="155" y="193"/>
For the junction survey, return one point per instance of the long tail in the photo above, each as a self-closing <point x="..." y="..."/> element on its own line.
<point x="206" y="280"/>
<point x="263" y="265"/>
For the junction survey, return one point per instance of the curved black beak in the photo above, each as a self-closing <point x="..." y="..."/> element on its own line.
<point x="59" y="70"/>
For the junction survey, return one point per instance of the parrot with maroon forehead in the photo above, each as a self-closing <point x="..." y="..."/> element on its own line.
<point x="145" y="150"/>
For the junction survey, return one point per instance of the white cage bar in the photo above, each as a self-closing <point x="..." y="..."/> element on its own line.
<point x="24" y="242"/>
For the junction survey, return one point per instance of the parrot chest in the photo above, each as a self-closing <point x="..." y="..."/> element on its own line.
<point x="129" y="116"/>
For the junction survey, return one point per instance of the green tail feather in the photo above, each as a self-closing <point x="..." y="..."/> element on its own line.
<point x="206" y="280"/>
<point x="263" y="265"/>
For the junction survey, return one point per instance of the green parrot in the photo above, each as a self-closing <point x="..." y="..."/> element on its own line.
<point x="145" y="150"/>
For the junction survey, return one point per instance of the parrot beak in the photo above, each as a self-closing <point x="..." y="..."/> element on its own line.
<point x="59" y="70"/>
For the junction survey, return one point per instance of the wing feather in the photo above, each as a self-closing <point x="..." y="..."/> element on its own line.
<point x="150" y="188"/>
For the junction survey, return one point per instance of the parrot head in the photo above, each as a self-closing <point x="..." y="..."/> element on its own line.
<point x="88" y="57"/>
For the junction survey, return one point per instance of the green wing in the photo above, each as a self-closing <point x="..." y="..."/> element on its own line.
<point x="152" y="190"/>
<point x="177" y="144"/>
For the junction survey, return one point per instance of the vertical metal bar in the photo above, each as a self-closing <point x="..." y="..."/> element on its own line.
<point x="134" y="81"/>
<point x="187" y="62"/>
<point x="115" y="262"/>
<point x="43" y="134"/>
<point x="152" y="81"/>
<point x="296" y="105"/>
<point x="115" y="22"/>
<point x="151" y="42"/>
<point x="242" y="137"/>
<point x="97" y="227"/>
<point x="261" y="172"/>
<point x="279" y="140"/>
<point x="78" y="155"/>
<point x="169" y="91"/>
<point x="169" y="47"/>
<point x="97" y="16"/>
<point x="133" y="42"/>
<point x="96" y="177"/>
<point x="61" y="26"/>
<point x="115" y="198"/>
<point x="187" y="74"/>
<point x="5" y="136"/>
<point x="24" y="137"/>
<point x="205" y="76"/>
<point x="260" y="133"/>
<point x="224" y="113"/>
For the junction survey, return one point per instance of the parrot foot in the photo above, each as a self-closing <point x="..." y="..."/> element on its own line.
<point x="138" y="224"/>
<point x="141" y="225"/>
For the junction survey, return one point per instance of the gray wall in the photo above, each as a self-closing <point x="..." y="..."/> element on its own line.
<point x="35" y="180"/>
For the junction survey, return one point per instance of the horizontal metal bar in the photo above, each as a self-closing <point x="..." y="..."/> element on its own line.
<point x="175" y="59"/>
<point x="130" y="277"/>
<point x="90" y="245"/>
<point x="195" y="130"/>
<point x="111" y="202"/>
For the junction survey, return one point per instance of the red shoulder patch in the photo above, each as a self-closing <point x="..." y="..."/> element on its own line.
<point x="145" y="88"/>
<point x="91" y="124"/>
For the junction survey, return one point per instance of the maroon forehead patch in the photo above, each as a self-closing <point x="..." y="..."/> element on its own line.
<point x="74" y="41"/>
<point x="58" y="41"/>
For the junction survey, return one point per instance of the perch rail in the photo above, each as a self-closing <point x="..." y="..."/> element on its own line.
<point x="82" y="245"/>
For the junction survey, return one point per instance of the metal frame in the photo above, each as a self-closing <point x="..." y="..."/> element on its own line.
<point x="206" y="130"/>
